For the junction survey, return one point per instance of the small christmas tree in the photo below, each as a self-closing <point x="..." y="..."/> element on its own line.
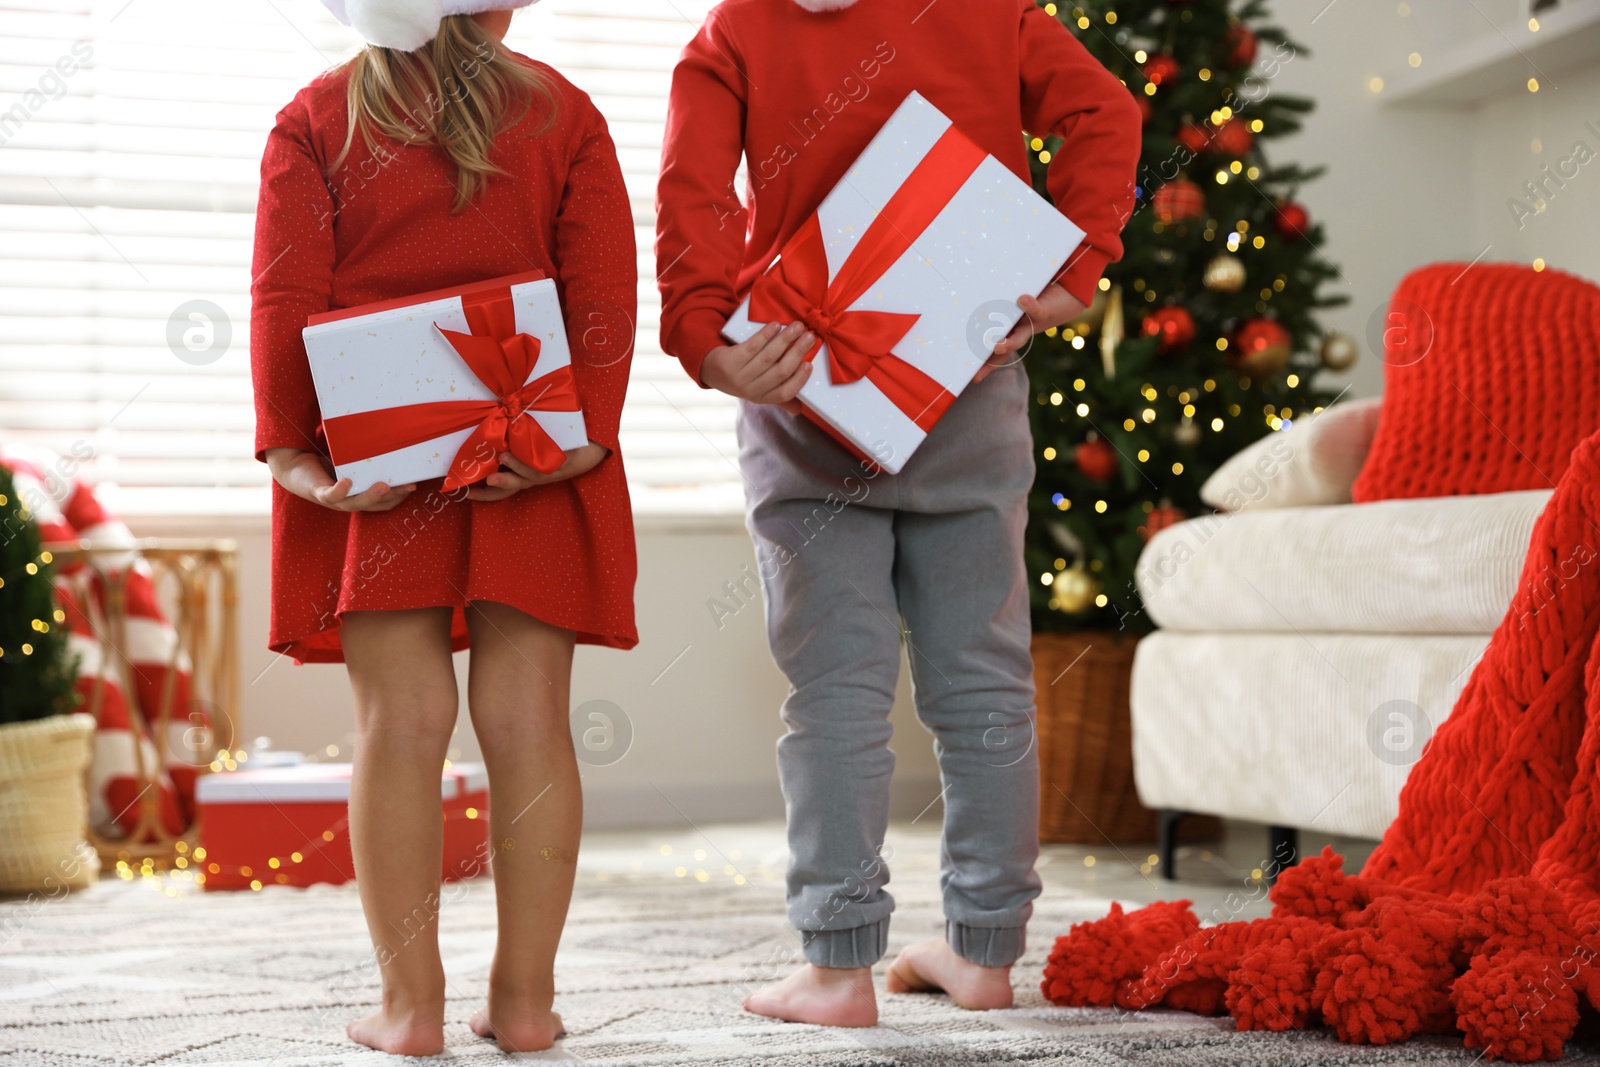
<point x="1201" y="339"/>
<point x="37" y="669"/>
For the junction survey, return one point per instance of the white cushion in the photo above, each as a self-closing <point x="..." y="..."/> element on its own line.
<point x="1314" y="461"/>
<point x="1310" y="730"/>
<point x="1440" y="565"/>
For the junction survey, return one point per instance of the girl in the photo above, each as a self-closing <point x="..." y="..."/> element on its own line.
<point x="937" y="548"/>
<point x="435" y="158"/>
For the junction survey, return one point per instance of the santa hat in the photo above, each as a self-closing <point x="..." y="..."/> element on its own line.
<point x="409" y="24"/>
<point x="824" y="5"/>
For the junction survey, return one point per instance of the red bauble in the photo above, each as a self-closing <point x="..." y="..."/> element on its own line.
<point x="1178" y="201"/>
<point x="1160" y="519"/>
<point x="1193" y="137"/>
<point x="1173" y="326"/>
<point x="1161" y="69"/>
<point x="1096" y="459"/>
<point x="1292" y="221"/>
<point x="1233" y="138"/>
<point x="1239" y="46"/>
<point x="1261" y="348"/>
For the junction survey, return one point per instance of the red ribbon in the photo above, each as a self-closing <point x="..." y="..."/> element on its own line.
<point x="502" y="359"/>
<point x="796" y="288"/>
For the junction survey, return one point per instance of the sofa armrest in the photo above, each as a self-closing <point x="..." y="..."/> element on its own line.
<point x="1314" y="462"/>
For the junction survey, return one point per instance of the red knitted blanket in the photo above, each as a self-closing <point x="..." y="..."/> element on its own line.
<point x="1480" y="911"/>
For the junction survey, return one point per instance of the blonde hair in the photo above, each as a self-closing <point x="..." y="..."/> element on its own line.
<point x="456" y="91"/>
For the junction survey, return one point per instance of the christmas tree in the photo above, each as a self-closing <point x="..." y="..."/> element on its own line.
<point x="37" y="669"/>
<point x="1202" y="338"/>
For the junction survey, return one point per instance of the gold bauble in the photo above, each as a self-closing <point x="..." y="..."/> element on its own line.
<point x="1225" y="273"/>
<point x="1339" y="351"/>
<point x="1073" y="591"/>
<point x="1265" y="362"/>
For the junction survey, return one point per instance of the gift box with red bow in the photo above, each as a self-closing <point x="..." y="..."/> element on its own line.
<point x="440" y="384"/>
<point x="908" y="273"/>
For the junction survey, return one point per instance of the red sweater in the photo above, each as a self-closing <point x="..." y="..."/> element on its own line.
<point x="381" y="227"/>
<point x="800" y="93"/>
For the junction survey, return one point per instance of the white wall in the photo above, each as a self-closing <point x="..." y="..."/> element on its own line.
<point x="1516" y="136"/>
<point x="703" y="731"/>
<point x="1412" y="184"/>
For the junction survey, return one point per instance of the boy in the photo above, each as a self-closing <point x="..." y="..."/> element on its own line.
<point x="853" y="559"/>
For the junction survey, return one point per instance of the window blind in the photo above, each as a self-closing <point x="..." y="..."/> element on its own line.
<point x="130" y="138"/>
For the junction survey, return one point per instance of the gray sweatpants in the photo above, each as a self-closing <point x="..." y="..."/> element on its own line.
<point x="852" y="563"/>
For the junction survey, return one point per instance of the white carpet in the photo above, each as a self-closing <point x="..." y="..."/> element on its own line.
<point x="652" y="970"/>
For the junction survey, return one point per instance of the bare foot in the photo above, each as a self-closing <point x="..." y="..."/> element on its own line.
<point x="517" y="1027"/>
<point x="400" y="1034"/>
<point x="932" y="966"/>
<point x="824" y="996"/>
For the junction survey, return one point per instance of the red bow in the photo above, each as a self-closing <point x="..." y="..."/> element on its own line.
<point x="796" y="287"/>
<point x="502" y="359"/>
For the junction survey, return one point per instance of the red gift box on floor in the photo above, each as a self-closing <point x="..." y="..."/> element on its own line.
<point x="291" y="825"/>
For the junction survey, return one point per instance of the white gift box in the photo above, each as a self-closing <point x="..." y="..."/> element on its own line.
<point x="391" y="354"/>
<point x="994" y="239"/>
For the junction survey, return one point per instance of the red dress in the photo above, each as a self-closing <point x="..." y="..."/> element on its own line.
<point x="379" y="228"/>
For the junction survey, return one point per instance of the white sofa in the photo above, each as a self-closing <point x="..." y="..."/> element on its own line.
<point x="1307" y="646"/>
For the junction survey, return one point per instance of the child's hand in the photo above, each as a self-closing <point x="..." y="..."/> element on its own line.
<point x="306" y="475"/>
<point x="1053" y="307"/>
<point x="504" y="483"/>
<point x="768" y="368"/>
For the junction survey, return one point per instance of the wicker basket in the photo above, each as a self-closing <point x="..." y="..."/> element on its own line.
<point x="43" y="806"/>
<point x="1087" y="794"/>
